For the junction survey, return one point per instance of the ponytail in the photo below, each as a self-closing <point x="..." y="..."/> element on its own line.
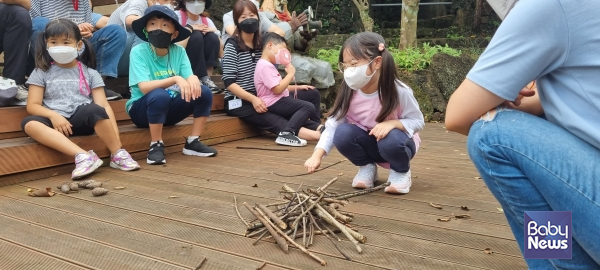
<point x="88" y="56"/>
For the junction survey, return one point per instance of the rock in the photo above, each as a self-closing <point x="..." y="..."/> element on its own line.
<point x="449" y="72"/>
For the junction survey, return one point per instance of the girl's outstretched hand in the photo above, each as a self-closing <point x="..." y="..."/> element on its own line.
<point x="382" y="129"/>
<point x="62" y="125"/>
<point x="312" y="164"/>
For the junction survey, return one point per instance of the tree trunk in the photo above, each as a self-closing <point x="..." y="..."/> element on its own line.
<point x="408" y="23"/>
<point x="363" y="9"/>
<point x="478" y="11"/>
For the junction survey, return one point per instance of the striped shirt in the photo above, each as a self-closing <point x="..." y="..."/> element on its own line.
<point x="239" y="66"/>
<point x="62" y="9"/>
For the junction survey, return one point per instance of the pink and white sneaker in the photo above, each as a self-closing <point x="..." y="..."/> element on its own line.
<point x="399" y="182"/>
<point x="366" y="176"/>
<point x="85" y="164"/>
<point x="122" y="160"/>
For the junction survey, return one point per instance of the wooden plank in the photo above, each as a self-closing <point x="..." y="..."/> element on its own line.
<point x="137" y="241"/>
<point x="14" y="115"/>
<point x="29" y="155"/>
<point x="14" y="256"/>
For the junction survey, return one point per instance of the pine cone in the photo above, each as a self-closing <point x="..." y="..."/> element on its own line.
<point x="83" y="184"/>
<point x="74" y="186"/>
<point x="94" y="185"/>
<point x="99" y="191"/>
<point x="65" y="188"/>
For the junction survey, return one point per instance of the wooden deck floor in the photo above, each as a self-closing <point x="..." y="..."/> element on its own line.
<point x="140" y="227"/>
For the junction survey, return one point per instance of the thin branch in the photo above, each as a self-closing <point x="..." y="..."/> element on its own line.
<point x="238" y="212"/>
<point x="301" y="174"/>
<point x="262" y="148"/>
<point x="265" y="222"/>
<point x="345" y="196"/>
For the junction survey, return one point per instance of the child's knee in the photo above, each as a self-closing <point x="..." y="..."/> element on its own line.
<point x="343" y="134"/>
<point x="32" y="121"/>
<point x="158" y="95"/>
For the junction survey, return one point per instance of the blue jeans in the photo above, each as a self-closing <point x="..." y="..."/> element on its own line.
<point x="108" y="43"/>
<point x="158" y="107"/>
<point x="132" y="41"/>
<point x="530" y="164"/>
<point x="361" y="148"/>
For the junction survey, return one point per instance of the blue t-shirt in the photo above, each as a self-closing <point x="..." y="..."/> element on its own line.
<point x="146" y="66"/>
<point x="557" y="43"/>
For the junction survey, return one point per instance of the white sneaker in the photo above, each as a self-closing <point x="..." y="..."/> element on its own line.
<point x="399" y="182"/>
<point x="366" y="176"/>
<point x="289" y="139"/>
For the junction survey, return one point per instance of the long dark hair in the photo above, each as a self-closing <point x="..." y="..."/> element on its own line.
<point x="365" y="45"/>
<point x="238" y="9"/>
<point x="59" y="28"/>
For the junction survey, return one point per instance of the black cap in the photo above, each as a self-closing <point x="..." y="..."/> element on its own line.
<point x="139" y="25"/>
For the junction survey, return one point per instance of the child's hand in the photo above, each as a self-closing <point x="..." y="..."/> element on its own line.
<point x="305" y="87"/>
<point x="259" y="105"/>
<point x="194" y="86"/>
<point x="382" y="129"/>
<point x="86" y="30"/>
<point x="61" y="125"/>
<point x="290" y="69"/>
<point x="184" y="87"/>
<point x="312" y="164"/>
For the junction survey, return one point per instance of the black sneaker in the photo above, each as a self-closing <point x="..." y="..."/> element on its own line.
<point x="156" y="154"/>
<point x="197" y="148"/>
<point x="111" y="95"/>
<point x="289" y="139"/>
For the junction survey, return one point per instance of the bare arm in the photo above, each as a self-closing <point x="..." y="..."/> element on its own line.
<point x="130" y="19"/>
<point x="283" y="85"/>
<point x="230" y="30"/>
<point x="469" y="102"/>
<point x="24" y="3"/>
<point x="148" y="86"/>
<point x="34" y="103"/>
<point x="275" y="29"/>
<point x="100" y="98"/>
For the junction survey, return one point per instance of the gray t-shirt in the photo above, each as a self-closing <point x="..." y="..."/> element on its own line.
<point x="554" y="42"/>
<point x="61" y="87"/>
<point x="265" y="24"/>
<point x="131" y="7"/>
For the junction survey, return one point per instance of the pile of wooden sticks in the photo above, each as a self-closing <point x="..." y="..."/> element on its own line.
<point x="304" y="214"/>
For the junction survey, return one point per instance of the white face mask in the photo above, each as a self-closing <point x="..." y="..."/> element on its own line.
<point x="356" y="77"/>
<point x="196" y="7"/>
<point x="63" y="54"/>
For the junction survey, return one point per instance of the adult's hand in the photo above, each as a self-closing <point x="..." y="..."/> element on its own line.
<point x="305" y="87"/>
<point x="525" y="92"/>
<point x="259" y="105"/>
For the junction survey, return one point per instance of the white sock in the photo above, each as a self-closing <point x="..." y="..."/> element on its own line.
<point x="190" y="139"/>
<point x="151" y="143"/>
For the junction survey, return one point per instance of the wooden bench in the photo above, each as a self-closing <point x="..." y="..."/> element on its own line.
<point x="24" y="159"/>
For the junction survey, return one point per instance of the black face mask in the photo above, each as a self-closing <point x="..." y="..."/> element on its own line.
<point x="159" y="38"/>
<point x="249" y="25"/>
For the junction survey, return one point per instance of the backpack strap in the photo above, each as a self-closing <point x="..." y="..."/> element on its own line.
<point x="183" y="17"/>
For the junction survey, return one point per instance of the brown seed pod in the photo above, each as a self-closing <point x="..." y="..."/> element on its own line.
<point x="99" y="191"/>
<point x="94" y="185"/>
<point x="65" y="188"/>
<point x="74" y="186"/>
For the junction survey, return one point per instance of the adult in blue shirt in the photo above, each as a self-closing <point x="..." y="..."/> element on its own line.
<point x="533" y="163"/>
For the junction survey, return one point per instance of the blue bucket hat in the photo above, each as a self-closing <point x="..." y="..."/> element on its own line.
<point x="139" y="25"/>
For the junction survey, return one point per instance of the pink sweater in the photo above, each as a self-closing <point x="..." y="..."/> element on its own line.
<point x="364" y="109"/>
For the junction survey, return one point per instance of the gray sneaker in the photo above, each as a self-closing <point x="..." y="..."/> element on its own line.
<point x="21" y="97"/>
<point x="211" y="85"/>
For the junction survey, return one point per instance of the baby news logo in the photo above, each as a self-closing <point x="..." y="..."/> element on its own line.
<point x="547" y="235"/>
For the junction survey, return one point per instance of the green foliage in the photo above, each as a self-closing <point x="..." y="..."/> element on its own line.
<point x="454" y="36"/>
<point x="411" y="59"/>
<point x="416" y="58"/>
<point x="332" y="56"/>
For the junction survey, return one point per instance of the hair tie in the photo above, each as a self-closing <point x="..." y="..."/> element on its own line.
<point x="381" y="47"/>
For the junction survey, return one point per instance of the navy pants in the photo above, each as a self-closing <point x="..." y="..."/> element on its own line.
<point x="158" y="107"/>
<point x="15" y="28"/>
<point x="361" y="148"/>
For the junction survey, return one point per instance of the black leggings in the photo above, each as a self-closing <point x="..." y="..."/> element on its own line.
<point x="298" y="113"/>
<point x="273" y="122"/>
<point x="15" y="29"/>
<point x="203" y="51"/>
